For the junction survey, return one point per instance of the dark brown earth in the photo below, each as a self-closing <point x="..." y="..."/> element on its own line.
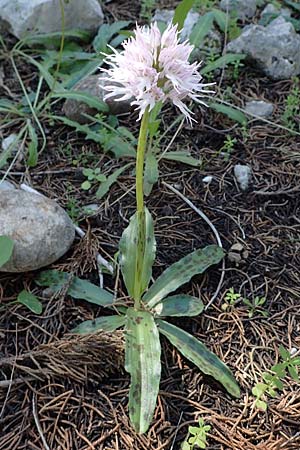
<point x="62" y="392"/>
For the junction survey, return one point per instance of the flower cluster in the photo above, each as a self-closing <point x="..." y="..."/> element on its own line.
<point x="153" y="67"/>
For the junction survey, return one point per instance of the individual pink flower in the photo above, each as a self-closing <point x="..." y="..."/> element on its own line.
<point x="153" y="67"/>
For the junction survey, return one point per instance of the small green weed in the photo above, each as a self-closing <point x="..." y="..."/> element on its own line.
<point x="93" y="175"/>
<point x="147" y="7"/>
<point x="272" y="381"/>
<point x="292" y="106"/>
<point x="197" y="436"/>
<point x="230" y="299"/>
<point x="255" y="307"/>
<point x="228" y="147"/>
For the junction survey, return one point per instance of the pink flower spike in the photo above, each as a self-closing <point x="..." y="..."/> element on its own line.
<point x="153" y="67"/>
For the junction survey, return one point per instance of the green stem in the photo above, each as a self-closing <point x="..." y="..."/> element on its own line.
<point x="140" y="159"/>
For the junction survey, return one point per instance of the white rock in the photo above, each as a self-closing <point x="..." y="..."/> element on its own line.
<point x="41" y="229"/>
<point x="243" y="175"/>
<point x="275" y="49"/>
<point x="243" y="8"/>
<point x="208" y="179"/>
<point x="44" y="16"/>
<point x="259" y="108"/>
<point x="166" y="16"/>
<point x="8" y="141"/>
<point x="6" y="185"/>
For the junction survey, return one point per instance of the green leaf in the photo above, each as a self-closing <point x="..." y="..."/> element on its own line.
<point x="199" y="355"/>
<point x="285" y="355"/>
<point x="105" y="34"/>
<point x="260" y="404"/>
<point x="86" y="185"/>
<point x="77" y="288"/>
<point x="151" y="173"/>
<point x="111" y="179"/>
<point x="182" y="156"/>
<point x="182" y="271"/>
<point x="84" y="97"/>
<point x="178" y="306"/>
<point x="6" y="249"/>
<point x="259" y="389"/>
<point x="294" y="5"/>
<point x="293" y="373"/>
<point x="142" y="361"/>
<point x="107" y="323"/>
<point x="221" y="18"/>
<point x="223" y="61"/>
<point x="185" y="446"/>
<point x="30" y="301"/>
<point x="201" y="29"/>
<point x="229" y="111"/>
<point x="181" y="12"/>
<point x="129" y="252"/>
<point x="54" y="39"/>
<point x="32" y="147"/>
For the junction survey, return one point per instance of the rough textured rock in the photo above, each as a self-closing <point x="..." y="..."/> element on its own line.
<point x="244" y="9"/>
<point x="275" y="48"/>
<point x="25" y="17"/>
<point x="259" y="108"/>
<point x="6" y="186"/>
<point x="166" y="16"/>
<point x="92" y="85"/>
<point x="41" y="229"/>
<point x="270" y="10"/>
<point x="243" y="175"/>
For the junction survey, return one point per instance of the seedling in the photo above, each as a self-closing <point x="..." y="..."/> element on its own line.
<point x="230" y="299"/>
<point x="255" y="307"/>
<point x="272" y="381"/>
<point x="198" y="436"/>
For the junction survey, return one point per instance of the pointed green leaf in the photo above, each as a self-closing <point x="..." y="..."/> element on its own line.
<point x="129" y="252"/>
<point x="293" y="373"/>
<point x="107" y="323"/>
<point x="259" y="389"/>
<point x="151" y="173"/>
<point x="142" y="361"/>
<point x="285" y="355"/>
<point x="198" y="354"/>
<point x="201" y="29"/>
<point x="184" y="157"/>
<point x="32" y="147"/>
<point x="111" y="179"/>
<point x="84" y="97"/>
<point x="181" y="12"/>
<point x="77" y="288"/>
<point x="178" y="306"/>
<point x="30" y="301"/>
<point x="220" y="63"/>
<point x="230" y="112"/>
<point x="182" y="271"/>
<point x="6" y="249"/>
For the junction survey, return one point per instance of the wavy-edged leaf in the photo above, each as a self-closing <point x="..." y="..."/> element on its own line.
<point x="84" y="97"/>
<point x="6" y="249"/>
<point x="142" y="361"/>
<point x="151" y="172"/>
<point x="30" y="301"/>
<point x="129" y="253"/>
<point x="183" y="157"/>
<point x="182" y="271"/>
<point x="178" y="306"/>
<point x="181" y="12"/>
<point x="106" y="323"/>
<point x="230" y="112"/>
<point x="221" y="62"/>
<point x="201" y="29"/>
<point x="199" y="355"/>
<point x="75" y="287"/>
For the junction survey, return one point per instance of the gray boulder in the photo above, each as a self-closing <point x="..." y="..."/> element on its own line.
<point x="259" y="108"/>
<point x="93" y="85"/>
<point x="41" y="229"/>
<point x="244" y="9"/>
<point x="6" y="185"/>
<point x="270" y="10"/>
<point x="24" y="17"/>
<point x="275" y="48"/>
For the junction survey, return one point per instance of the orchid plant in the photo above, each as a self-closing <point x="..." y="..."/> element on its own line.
<point x="153" y="68"/>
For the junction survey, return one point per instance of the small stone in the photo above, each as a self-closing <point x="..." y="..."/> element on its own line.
<point x="92" y="208"/>
<point x="244" y="9"/>
<point x="207" y="180"/>
<point x="166" y="16"/>
<point x="92" y="85"/>
<point x="275" y="49"/>
<point x="6" y="186"/>
<point x="234" y="257"/>
<point x="27" y="17"/>
<point x="259" y="108"/>
<point x="238" y="253"/>
<point x="270" y="10"/>
<point x="8" y="141"/>
<point x="237" y="247"/>
<point x="41" y="230"/>
<point x="243" y="175"/>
